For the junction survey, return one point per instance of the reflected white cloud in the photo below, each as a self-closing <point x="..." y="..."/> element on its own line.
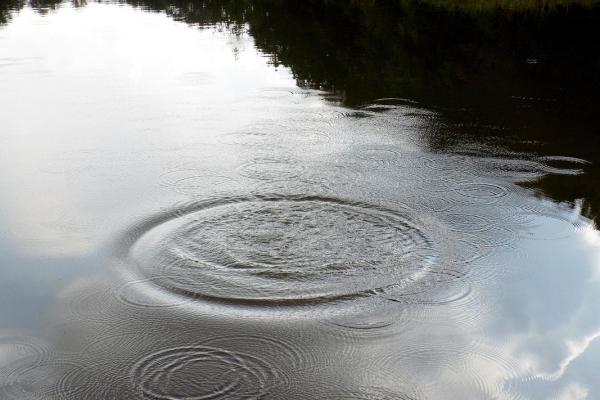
<point x="574" y="391"/>
<point x="576" y="349"/>
<point x="550" y="319"/>
<point x="99" y="114"/>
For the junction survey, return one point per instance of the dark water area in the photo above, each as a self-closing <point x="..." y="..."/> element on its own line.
<point x="299" y="200"/>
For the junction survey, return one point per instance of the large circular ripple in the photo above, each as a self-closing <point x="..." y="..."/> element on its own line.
<point x="274" y="249"/>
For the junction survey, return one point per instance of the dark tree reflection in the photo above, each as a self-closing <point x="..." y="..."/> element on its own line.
<point x="7" y="8"/>
<point x="521" y="72"/>
<point x="525" y="75"/>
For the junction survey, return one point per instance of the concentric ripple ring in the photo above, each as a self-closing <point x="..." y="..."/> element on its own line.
<point x="204" y="372"/>
<point x="271" y="249"/>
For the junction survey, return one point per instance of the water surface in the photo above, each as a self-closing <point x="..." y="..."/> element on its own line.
<point x="199" y="202"/>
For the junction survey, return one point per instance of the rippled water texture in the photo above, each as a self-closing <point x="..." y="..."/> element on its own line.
<point x="183" y="218"/>
<point x="274" y="249"/>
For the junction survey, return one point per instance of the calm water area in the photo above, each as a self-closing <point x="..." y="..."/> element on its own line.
<point x="299" y="200"/>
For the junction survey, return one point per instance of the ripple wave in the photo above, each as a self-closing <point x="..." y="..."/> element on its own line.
<point x="281" y="249"/>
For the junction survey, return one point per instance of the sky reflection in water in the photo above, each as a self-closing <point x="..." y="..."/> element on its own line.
<point x="170" y="200"/>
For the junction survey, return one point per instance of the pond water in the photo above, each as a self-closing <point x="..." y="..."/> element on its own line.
<point x="246" y="200"/>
